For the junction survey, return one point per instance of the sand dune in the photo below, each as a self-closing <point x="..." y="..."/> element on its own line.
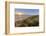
<point x="27" y="21"/>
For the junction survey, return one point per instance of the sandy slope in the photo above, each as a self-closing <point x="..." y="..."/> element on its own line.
<point x="21" y="17"/>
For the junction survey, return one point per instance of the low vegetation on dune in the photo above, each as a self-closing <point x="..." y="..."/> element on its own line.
<point x="28" y="22"/>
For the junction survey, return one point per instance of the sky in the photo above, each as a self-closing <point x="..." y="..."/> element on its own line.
<point x="27" y="11"/>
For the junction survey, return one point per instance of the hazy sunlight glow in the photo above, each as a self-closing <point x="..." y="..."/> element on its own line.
<point x="19" y="13"/>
